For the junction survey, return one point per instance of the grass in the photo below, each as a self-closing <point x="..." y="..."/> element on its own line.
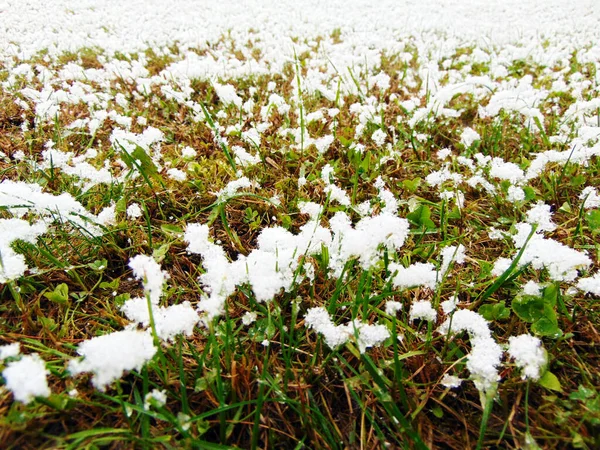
<point x="275" y="383"/>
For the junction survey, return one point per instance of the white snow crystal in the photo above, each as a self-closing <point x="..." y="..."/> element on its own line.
<point x="249" y="317"/>
<point x="146" y="269"/>
<point x="227" y="94"/>
<point x="368" y="335"/>
<point x="232" y="188"/>
<point x="449" y="305"/>
<point x="529" y="355"/>
<point x="468" y="136"/>
<point x="485" y="355"/>
<point x="188" y="152"/>
<point x="590" y="284"/>
<point x="155" y="398"/>
<point x="392" y="307"/>
<point x="515" y="194"/>
<point x="417" y="274"/>
<point x="422" y="310"/>
<point x="532" y="288"/>
<point x="26" y="378"/>
<point x="590" y="197"/>
<point x="110" y="355"/>
<point x="9" y="350"/>
<point x="451" y="381"/>
<point x="540" y="214"/>
<point x="379" y="137"/>
<point x="134" y="211"/>
<point x="177" y="174"/>
<point x="12" y="264"/>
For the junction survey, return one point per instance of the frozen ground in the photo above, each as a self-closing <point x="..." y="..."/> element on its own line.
<point x="26" y="27"/>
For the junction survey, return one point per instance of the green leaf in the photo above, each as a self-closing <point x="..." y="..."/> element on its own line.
<point x="546" y="327"/>
<point x="171" y="229"/>
<point x="550" y="295"/>
<point x="122" y="298"/>
<point x="202" y="426"/>
<point x="47" y="323"/>
<point x="529" y="193"/>
<point x="411" y="185"/>
<point x="99" y="265"/>
<point x="286" y="221"/>
<point x="528" y="307"/>
<point x="566" y="208"/>
<point x="550" y="381"/>
<point x="582" y="394"/>
<point x="159" y="253"/>
<point x="59" y="295"/>
<point x="121" y="205"/>
<point x="144" y="161"/>
<point x="112" y="285"/>
<point x="593" y="220"/>
<point x="497" y="311"/>
<point x="454" y="214"/>
<point x="421" y="217"/>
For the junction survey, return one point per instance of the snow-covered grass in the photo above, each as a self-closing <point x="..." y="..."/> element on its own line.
<point x="299" y="224"/>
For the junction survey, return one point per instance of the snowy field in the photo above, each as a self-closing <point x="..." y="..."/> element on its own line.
<point x="243" y="223"/>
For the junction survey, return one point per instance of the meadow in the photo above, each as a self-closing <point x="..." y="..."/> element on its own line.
<point x="340" y="225"/>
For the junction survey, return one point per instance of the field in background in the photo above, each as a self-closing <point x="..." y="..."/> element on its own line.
<point x="299" y="225"/>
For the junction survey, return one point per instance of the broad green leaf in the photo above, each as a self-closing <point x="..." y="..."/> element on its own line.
<point x="411" y="185"/>
<point x="122" y="298"/>
<point x="550" y="295"/>
<point x="550" y="381"/>
<point x="497" y="311"/>
<point x="421" y="217"/>
<point x="202" y="426"/>
<point x="546" y="327"/>
<point x="121" y="205"/>
<point x="99" y="265"/>
<point x="159" y="253"/>
<point x="582" y="394"/>
<point x="59" y="295"/>
<point x="593" y="220"/>
<point x="144" y="162"/>
<point x="455" y="213"/>
<point x="528" y="307"/>
<point x="566" y="208"/>
<point x="47" y="323"/>
<point x="112" y="285"/>
<point x="529" y="193"/>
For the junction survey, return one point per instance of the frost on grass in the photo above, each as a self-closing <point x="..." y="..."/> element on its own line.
<point x="26" y="378"/>
<point x="12" y="264"/>
<point x="168" y="321"/>
<point x="149" y="271"/>
<point x="590" y="284"/>
<point x="20" y="198"/>
<point x="110" y="355"/>
<point x="273" y="266"/>
<point x="486" y="354"/>
<point x="454" y="85"/>
<point x="422" y="310"/>
<point x="155" y="399"/>
<point x="335" y="335"/>
<point x="561" y="261"/>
